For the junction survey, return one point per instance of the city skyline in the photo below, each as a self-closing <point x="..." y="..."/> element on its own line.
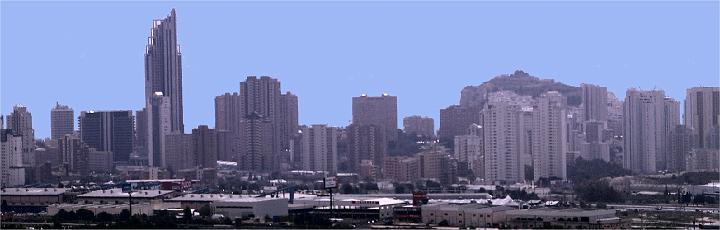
<point x="416" y="96"/>
<point x="555" y="125"/>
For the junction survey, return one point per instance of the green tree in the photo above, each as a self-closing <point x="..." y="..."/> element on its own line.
<point x="105" y="217"/>
<point x="187" y="215"/>
<point x="124" y="215"/>
<point x="597" y="191"/>
<point x="588" y="170"/>
<point x="206" y="211"/>
<point x="85" y="215"/>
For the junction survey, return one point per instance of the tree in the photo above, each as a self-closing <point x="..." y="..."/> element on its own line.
<point x="104" y="217"/>
<point x="187" y="215"/>
<point x="348" y="188"/>
<point x="588" y="170"/>
<point x="597" y="191"/>
<point x="85" y="215"/>
<point x="686" y="198"/>
<point x="124" y="215"/>
<point x="206" y="211"/>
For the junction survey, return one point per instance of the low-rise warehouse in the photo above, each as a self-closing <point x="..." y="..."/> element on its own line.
<point x="235" y="206"/>
<point x="31" y="199"/>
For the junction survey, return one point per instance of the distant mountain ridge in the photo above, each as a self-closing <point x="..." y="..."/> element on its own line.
<point x="521" y="83"/>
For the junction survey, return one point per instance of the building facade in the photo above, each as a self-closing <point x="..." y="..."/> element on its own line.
<point x="421" y="126"/>
<point x="20" y="122"/>
<point x="163" y="87"/>
<point x="380" y="111"/>
<point x="644" y="122"/>
<point x="319" y="143"/>
<point x="108" y="131"/>
<point x="702" y="112"/>
<point x="366" y="142"/>
<point x="549" y="137"/>
<point x="455" y="119"/>
<point x="62" y="121"/>
<point x="594" y="100"/>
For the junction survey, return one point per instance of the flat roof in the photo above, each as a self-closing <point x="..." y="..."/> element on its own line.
<point x="157" y="180"/>
<point x="33" y="191"/>
<point x="114" y="193"/>
<point x="219" y="198"/>
<point x="573" y="212"/>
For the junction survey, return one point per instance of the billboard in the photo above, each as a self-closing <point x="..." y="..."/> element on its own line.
<point x="330" y="182"/>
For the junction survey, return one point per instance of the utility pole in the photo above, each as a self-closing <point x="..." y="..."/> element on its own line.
<point x="130" y="200"/>
<point x="332" y="211"/>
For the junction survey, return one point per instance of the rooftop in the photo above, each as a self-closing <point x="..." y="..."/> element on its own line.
<point x="118" y="193"/>
<point x="561" y="212"/>
<point x="33" y="191"/>
<point x="219" y="197"/>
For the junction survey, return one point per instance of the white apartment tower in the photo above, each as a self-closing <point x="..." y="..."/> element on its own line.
<point x="549" y="135"/>
<point x="319" y="143"/>
<point x="644" y="120"/>
<point x="504" y="135"/>
<point x="159" y="125"/>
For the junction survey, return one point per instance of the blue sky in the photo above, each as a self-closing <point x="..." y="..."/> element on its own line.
<point x="89" y="55"/>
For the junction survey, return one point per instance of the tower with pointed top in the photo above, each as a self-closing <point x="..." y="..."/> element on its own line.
<point x="163" y="76"/>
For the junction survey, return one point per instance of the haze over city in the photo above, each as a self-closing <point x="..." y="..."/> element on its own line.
<point x="320" y="114"/>
<point x="328" y="52"/>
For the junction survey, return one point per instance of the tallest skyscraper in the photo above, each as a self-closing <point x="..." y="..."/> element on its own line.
<point x="163" y="87"/>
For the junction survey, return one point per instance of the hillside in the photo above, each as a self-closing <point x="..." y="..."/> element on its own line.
<point x="521" y="83"/>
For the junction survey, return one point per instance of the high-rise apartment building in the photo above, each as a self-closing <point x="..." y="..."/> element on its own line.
<point x="205" y="147"/>
<point x="549" y="137"/>
<point x="366" y="142"/>
<point x="163" y="78"/>
<point x="319" y="143"/>
<point x="594" y="104"/>
<point x="644" y="125"/>
<point x="73" y="154"/>
<point x="227" y="146"/>
<point x="20" y="122"/>
<point x="436" y="163"/>
<point x="256" y="144"/>
<point x="62" y="121"/>
<point x="401" y="168"/>
<point x="259" y="141"/>
<point x="380" y="111"/>
<point x="703" y="160"/>
<point x="702" y="114"/>
<point x="141" y="132"/>
<point x="12" y="172"/>
<point x="417" y="125"/>
<point x="506" y="137"/>
<point x="228" y="112"/>
<point x="179" y="151"/>
<point x="288" y="119"/>
<point x="469" y="150"/>
<point x="671" y="113"/>
<point x="680" y="143"/>
<point x="455" y="119"/>
<point x="159" y="125"/>
<point x="108" y="131"/>
<point x="100" y="161"/>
